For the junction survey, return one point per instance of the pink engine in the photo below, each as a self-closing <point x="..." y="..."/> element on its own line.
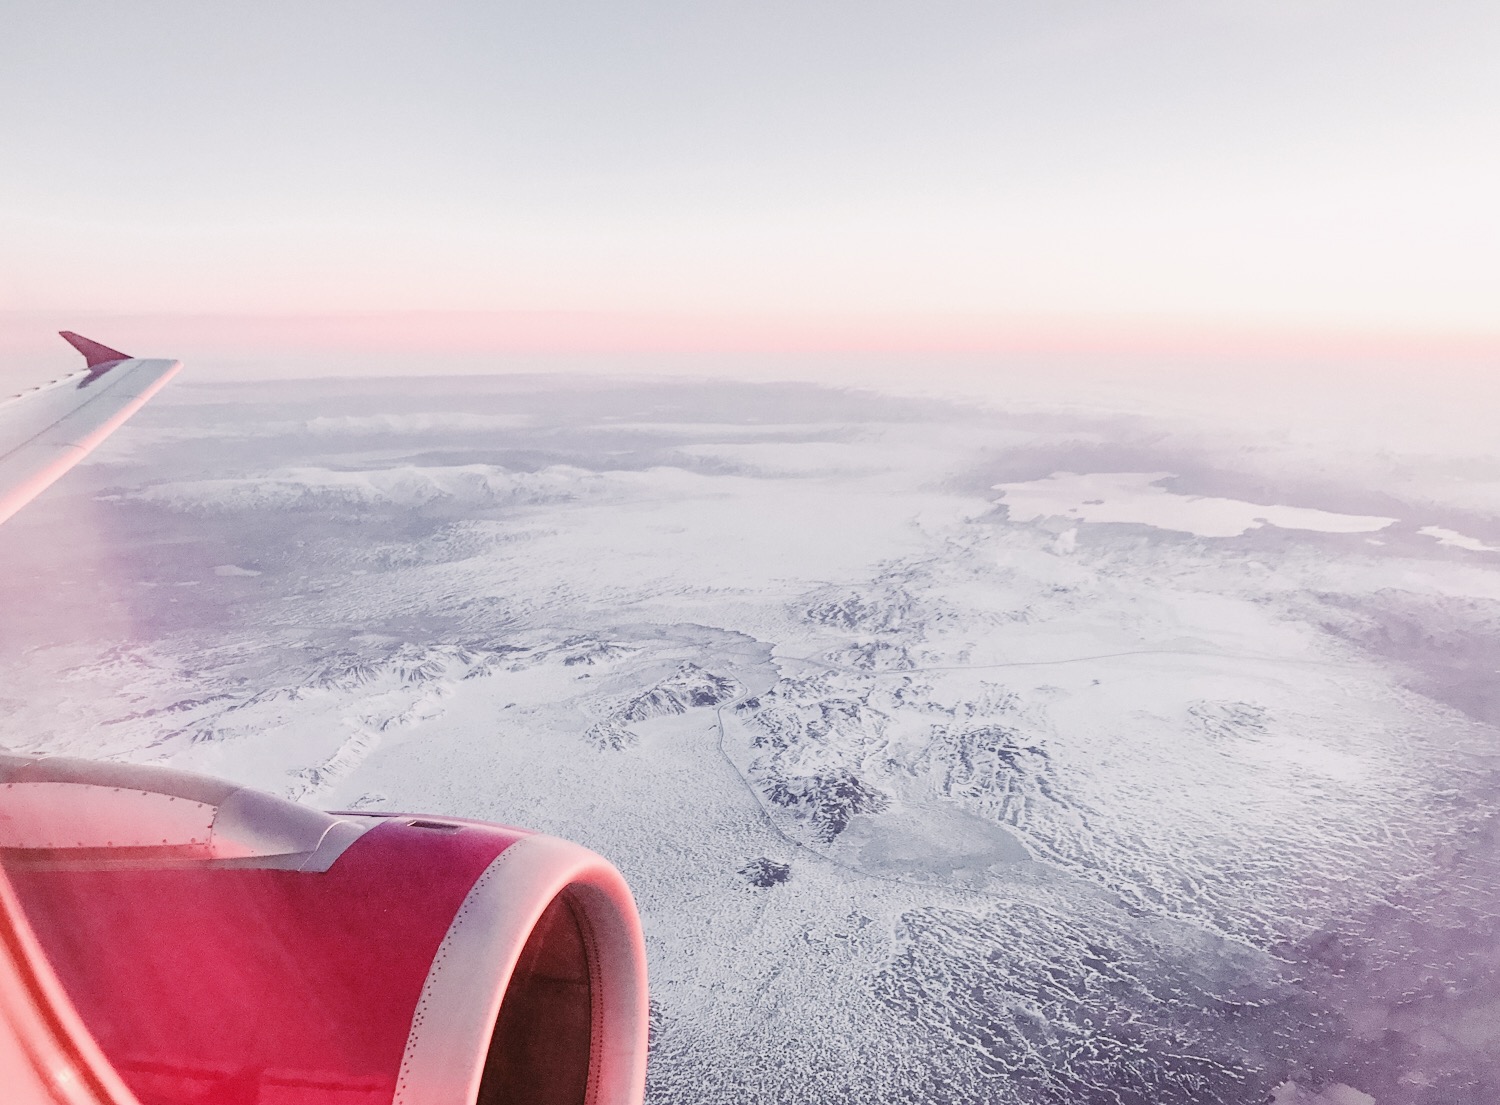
<point x="218" y="945"/>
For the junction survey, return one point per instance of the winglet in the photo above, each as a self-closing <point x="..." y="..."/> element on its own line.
<point x="93" y="353"/>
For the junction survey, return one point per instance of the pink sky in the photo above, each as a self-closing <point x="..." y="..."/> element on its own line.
<point x="242" y="184"/>
<point x="508" y="333"/>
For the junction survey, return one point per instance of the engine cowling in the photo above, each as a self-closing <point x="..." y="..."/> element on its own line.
<point x="222" y="945"/>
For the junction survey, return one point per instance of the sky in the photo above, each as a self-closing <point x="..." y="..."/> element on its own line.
<point x="811" y="175"/>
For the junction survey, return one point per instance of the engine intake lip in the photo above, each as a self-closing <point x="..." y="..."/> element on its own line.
<point x="459" y="1011"/>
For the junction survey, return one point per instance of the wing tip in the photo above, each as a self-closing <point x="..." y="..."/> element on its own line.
<point x="94" y="354"/>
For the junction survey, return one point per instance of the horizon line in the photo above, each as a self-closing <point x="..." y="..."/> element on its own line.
<point x="566" y="332"/>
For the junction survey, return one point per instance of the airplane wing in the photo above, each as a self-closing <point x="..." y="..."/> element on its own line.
<point x="172" y="939"/>
<point x="47" y="430"/>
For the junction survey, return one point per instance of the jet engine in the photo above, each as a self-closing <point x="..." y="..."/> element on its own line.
<point x="211" y="944"/>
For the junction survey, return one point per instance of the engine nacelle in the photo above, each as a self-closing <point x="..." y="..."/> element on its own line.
<point x="225" y="946"/>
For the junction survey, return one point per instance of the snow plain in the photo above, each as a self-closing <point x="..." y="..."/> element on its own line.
<point x="954" y="755"/>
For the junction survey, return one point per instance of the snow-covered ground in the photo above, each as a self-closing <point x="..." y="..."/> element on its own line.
<point x="954" y="755"/>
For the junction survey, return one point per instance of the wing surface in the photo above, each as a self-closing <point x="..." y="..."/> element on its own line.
<point x="47" y="430"/>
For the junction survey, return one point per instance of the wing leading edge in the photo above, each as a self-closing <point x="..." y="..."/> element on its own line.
<point x="47" y="430"/>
